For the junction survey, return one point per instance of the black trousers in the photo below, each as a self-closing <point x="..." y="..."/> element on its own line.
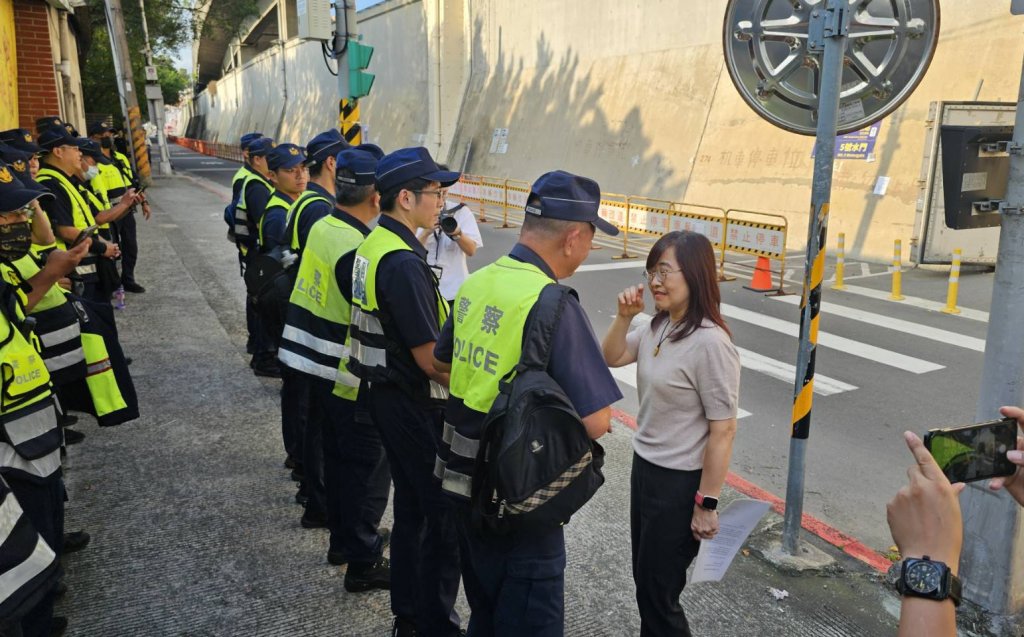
<point x="356" y="474"/>
<point x="294" y="412"/>
<point x="660" y="511"/>
<point x="44" y="505"/>
<point x="424" y="540"/>
<point x="129" y="244"/>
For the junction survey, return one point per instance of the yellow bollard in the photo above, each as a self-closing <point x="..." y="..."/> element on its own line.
<point x="954" y="285"/>
<point x="840" y="263"/>
<point x="897" y="272"/>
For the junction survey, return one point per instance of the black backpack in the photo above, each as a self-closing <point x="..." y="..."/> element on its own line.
<point x="536" y="465"/>
<point x="269" y="279"/>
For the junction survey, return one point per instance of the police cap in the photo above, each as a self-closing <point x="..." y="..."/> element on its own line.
<point x="356" y="167"/>
<point x="404" y="165"/>
<point x="562" y="195"/>
<point x="285" y="156"/>
<point x="92" y="149"/>
<point x="17" y="161"/>
<point x="249" y="138"/>
<point x="14" y="195"/>
<point x="20" y="138"/>
<point x="326" y="144"/>
<point x="50" y="121"/>
<point x="373" y="149"/>
<point x="98" y="128"/>
<point x="260" y="147"/>
<point x="58" y="136"/>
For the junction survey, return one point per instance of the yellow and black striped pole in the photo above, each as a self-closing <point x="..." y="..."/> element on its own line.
<point x="835" y="14"/>
<point x="351" y="130"/>
<point x="138" y="134"/>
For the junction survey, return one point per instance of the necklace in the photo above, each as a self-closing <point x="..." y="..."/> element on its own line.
<point x="664" y="335"/>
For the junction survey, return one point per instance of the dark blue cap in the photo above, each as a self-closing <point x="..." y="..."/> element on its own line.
<point x="20" y="138"/>
<point x="14" y="195"/>
<point x="58" y="136"/>
<point x="51" y="121"/>
<point x="562" y="195"/>
<point x="285" y="156"/>
<point x="260" y="147"/>
<point x="17" y="161"/>
<point x="373" y="149"/>
<point x="407" y="164"/>
<point x="249" y="138"/>
<point x="326" y="144"/>
<point x="359" y="167"/>
<point x="92" y="149"/>
<point x="98" y="128"/>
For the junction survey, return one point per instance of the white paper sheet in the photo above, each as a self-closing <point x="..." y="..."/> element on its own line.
<point x="735" y="524"/>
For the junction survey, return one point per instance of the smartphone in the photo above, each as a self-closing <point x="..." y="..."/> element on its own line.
<point x="974" y="452"/>
<point x="84" y="234"/>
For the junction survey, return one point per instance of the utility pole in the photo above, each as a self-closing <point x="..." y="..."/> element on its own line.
<point x="126" y="86"/>
<point x="155" y="97"/>
<point x="352" y="57"/>
<point x="992" y="561"/>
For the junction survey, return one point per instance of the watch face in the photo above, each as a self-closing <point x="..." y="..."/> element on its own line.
<point x="923" y="577"/>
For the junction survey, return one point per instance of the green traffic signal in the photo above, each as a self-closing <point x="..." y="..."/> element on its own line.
<point x="359" y="81"/>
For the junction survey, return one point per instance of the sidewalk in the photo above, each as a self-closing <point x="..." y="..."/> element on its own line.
<point x="196" y="532"/>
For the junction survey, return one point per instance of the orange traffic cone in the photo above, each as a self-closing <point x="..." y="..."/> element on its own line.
<point x="762" y="279"/>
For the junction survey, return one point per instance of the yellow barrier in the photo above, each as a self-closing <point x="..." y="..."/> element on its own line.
<point x="954" y="285"/>
<point x="516" y="194"/>
<point x="758" y="238"/>
<point x="897" y="272"/>
<point x="840" y="263"/>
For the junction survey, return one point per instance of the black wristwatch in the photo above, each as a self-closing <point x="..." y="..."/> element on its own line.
<point x="925" y="578"/>
<point x="706" y="502"/>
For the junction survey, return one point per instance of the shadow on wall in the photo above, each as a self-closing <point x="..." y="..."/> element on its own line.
<point x="568" y="127"/>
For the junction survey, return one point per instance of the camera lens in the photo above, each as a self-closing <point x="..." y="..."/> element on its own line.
<point x="449" y="224"/>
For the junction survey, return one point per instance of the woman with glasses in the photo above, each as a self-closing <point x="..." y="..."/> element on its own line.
<point x="688" y="376"/>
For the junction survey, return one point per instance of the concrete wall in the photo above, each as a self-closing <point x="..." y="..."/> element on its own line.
<point x="634" y="95"/>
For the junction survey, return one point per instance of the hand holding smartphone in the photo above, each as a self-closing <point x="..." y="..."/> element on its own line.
<point x="83" y="235"/>
<point x="974" y="452"/>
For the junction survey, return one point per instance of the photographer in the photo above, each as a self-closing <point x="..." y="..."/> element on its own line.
<point x="455" y="237"/>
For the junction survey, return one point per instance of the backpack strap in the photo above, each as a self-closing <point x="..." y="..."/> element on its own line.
<point x="541" y="326"/>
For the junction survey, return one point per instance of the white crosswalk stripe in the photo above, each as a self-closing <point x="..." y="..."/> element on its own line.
<point x="823" y="385"/>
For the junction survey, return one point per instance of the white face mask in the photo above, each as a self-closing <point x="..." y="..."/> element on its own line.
<point x="91" y="173"/>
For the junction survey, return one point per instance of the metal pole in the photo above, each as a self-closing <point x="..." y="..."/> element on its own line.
<point x="345" y="28"/>
<point x="156" y="106"/>
<point x="828" y="31"/>
<point x="126" y="86"/>
<point x="992" y="561"/>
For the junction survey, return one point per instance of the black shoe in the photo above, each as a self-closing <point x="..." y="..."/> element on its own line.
<point x="336" y="558"/>
<point x="403" y="628"/>
<point x="68" y="420"/>
<point x="289" y="463"/>
<point x="267" y="369"/>
<point x="61" y="589"/>
<point x="313" y="521"/>
<point x="58" y="625"/>
<point x="367" y="577"/>
<point x="75" y="541"/>
<point x="73" y="437"/>
<point x="134" y="288"/>
<point x="297" y="476"/>
<point x="301" y="499"/>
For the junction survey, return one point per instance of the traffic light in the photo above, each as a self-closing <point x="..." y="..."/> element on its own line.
<point x="359" y="81"/>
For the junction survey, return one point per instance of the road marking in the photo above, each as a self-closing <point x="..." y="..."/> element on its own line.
<point x="225" y="169"/>
<point x="617" y="265"/>
<point x="832" y="341"/>
<point x="916" y="301"/>
<point x="895" y="324"/>
<point x="627" y="374"/>
<point x="823" y="385"/>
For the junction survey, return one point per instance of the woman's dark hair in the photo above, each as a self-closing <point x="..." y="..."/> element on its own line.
<point x="696" y="259"/>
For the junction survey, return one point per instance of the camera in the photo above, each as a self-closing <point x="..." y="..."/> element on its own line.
<point x="448" y="222"/>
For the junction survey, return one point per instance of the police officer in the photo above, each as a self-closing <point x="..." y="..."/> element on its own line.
<point x="255" y="192"/>
<point x="21" y="139"/>
<point x="316" y="342"/>
<point x="505" y="576"/>
<point x="288" y="174"/>
<point x="30" y="459"/>
<point x="396" y="317"/>
<point x="318" y="200"/>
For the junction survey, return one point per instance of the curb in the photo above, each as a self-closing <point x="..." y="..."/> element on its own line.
<point x="846" y="543"/>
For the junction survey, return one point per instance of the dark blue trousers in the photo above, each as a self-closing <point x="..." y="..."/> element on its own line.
<point x="129" y="244"/>
<point x="424" y="540"/>
<point x="295" y="415"/>
<point x="515" y="583"/>
<point x="356" y="476"/>
<point x="44" y="506"/>
<point x="660" y="512"/>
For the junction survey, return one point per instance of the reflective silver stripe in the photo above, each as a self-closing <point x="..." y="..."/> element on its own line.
<point x="39" y="560"/>
<point x="242" y="229"/>
<point x="86" y="269"/>
<point x="31" y="425"/>
<point x="41" y="467"/>
<point x="465" y="447"/>
<point x="346" y="378"/>
<point x="303" y="364"/>
<point x="98" y="367"/>
<point x="366" y="322"/>
<point x="368" y="356"/>
<point x="63" y="335"/>
<point x="447" y="432"/>
<point x="457" y="483"/>
<point x="439" y="467"/>
<point x="315" y="343"/>
<point x="438" y="391"/>
<point x="56" y="363"/>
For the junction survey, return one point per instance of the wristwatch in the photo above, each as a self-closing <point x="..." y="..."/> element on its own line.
<point x="706" y="502"/>
<point x="925" y="578"/>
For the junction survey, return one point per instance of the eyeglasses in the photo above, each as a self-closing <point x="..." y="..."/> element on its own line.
<point x="441" y="194"/>
<point x="660" y="274"/>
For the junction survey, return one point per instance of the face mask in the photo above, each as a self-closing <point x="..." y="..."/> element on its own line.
<point x="15" y="240"/>
<point x="107" y="142"/>
<point x="91" y="173"/>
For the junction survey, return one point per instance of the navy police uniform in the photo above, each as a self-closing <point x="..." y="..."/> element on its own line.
<point x="515" y="582"/>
